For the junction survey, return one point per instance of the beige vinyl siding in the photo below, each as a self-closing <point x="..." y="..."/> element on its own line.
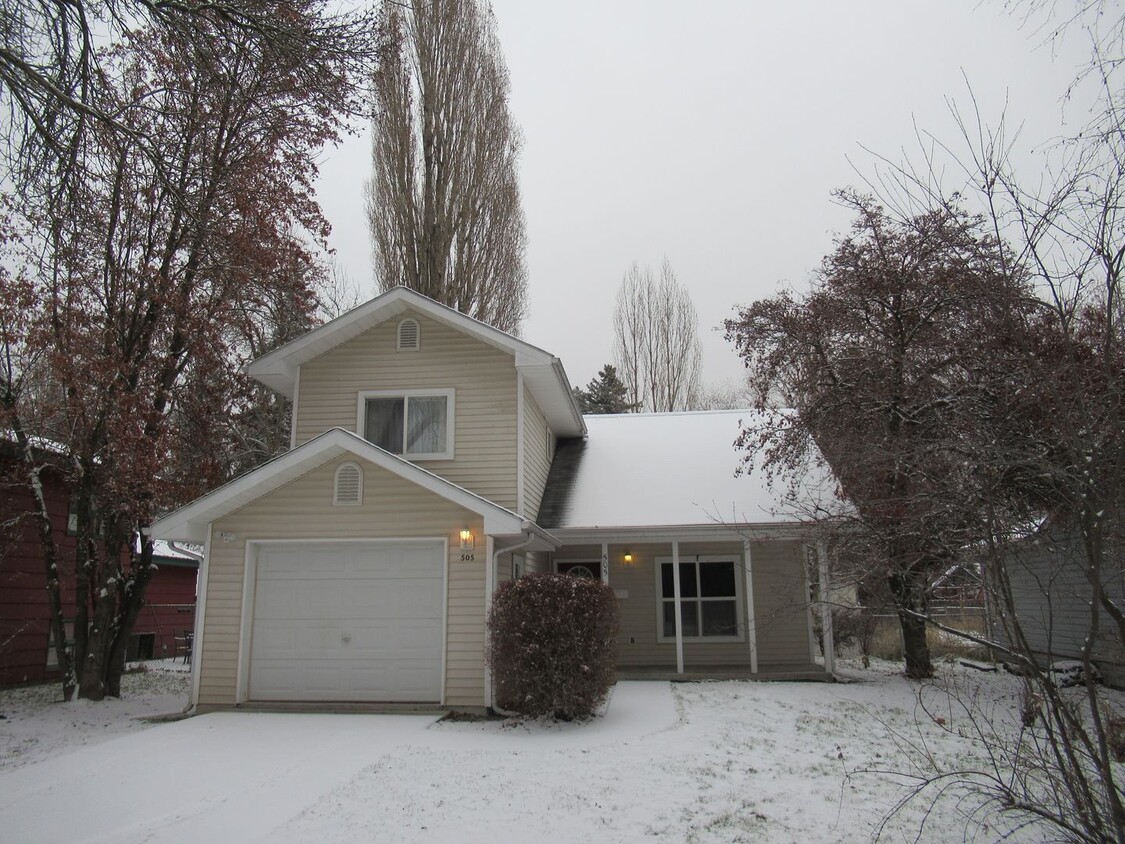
<point x="505" y="565"/>
<point x="780" y="602"/>
<point x="535" y="462"/>
<point x="484" y="379"/>
<point x="537" y="562"/>
<point x="779" y="605"/>
<point x="303" y="509"/>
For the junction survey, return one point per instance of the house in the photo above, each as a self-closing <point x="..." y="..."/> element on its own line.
<point x="434" y="457"/>
<point x="1051" y="595"/>
<point x="27" y="653"/>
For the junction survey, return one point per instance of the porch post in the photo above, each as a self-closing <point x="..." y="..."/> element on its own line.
<point x="826" y="608"/>
<point x="605" y="563"/>
<point x="489" y="588"/>
<point x="751" y="624"/>
<point x="806" y="565"/>
<point x="679" y="615"/>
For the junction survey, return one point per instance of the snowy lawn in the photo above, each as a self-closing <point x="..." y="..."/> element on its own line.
<point x="709" y="762"/>
<point x="36" y="725"/>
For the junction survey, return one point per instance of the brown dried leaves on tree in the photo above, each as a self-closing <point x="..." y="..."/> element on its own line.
<point x="869" y="366"/>
<point x="150" y="278"/>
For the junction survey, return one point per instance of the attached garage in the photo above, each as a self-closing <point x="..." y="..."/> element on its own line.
<point x="309" y="597"/>
<point x="351" y="621"/>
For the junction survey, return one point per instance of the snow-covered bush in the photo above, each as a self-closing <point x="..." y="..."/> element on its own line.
<point x="553" y="645"/>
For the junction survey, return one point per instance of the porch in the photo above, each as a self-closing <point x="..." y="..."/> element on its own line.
<point x="789" y="672"/>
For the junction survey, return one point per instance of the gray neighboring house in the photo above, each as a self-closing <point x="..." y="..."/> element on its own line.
<point x="1052" y="593"/>
<point x="434" y="457"/>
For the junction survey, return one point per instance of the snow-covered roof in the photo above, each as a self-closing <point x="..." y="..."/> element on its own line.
<point x="662" y="470"/>
<point x="170" y="551"/>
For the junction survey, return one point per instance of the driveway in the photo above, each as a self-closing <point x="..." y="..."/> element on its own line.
<point x="248" y="776"/>
<point x="215" y="778"/>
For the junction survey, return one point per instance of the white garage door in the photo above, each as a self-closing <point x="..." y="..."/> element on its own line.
<point x="348" y="621"/>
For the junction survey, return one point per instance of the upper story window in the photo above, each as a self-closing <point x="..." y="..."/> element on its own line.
<point x="414" y="423"/>
<point x="409" y="337"/>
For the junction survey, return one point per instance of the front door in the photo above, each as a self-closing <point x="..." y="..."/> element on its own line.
<point x="583" y="568"/>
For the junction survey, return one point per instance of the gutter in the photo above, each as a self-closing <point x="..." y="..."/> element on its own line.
<point x="560" y="373"/>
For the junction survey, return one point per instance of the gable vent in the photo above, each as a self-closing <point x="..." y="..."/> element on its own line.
<point x="408" y="336"/>
<point x="349" y="485"/>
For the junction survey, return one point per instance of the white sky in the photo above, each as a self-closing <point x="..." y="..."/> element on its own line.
<point x="713" y="133"/>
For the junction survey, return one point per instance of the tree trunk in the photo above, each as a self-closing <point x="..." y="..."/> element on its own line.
<point x="54" y="592"/>
<point x="915" y="649"/>
<point x="92" y="682"/>
<point x="910" y="603"/>
<point x="50" y="552"/>
<point x="133" y="603"/>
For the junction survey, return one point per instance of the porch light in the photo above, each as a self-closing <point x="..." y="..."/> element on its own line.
<point x="628" y="558"/>
<point x="466" y="540"/>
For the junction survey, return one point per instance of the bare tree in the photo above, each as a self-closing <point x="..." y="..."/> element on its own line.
<point x="656" y="341"/>
<point x="729" y="394"/>
<point x="443" y="201"/>
<point x="52" y="78"/>
<point x="1041" y="429"/>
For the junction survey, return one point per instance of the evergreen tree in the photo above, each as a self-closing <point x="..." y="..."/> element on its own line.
<point x="605" y="394"/>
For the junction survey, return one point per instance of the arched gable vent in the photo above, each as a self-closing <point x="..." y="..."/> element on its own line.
<point x="349" y="485"/>
<point x="409" y="337"/>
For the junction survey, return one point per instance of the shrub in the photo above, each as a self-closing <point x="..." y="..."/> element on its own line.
<point x="553" y="645"/>
<point x="851" y="627"/>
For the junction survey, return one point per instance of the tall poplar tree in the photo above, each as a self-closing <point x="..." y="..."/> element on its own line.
<point x="443" y="200"/>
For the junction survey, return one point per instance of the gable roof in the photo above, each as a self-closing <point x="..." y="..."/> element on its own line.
<point x="662" y="470"/>
<point x="189" y="523"/>
<point x="543" y="373"/>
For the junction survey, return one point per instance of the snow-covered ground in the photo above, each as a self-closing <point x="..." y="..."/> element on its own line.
<point x="36" y="725"/>
<point x="709" y="762"/>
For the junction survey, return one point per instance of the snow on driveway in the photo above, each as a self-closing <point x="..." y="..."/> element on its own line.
<point x="708" y="762"/>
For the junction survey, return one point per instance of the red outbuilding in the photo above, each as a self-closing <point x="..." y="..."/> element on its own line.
<point x="27" y="654"/>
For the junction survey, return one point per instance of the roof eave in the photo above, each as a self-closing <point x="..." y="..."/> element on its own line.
<point x="714" y="531"/>
<point x="190" y="522"/>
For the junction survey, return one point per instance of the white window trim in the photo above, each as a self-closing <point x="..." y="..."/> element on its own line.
<point x="450" y="394"/>
<point x="739" y="604"/>
<point x="336" y="502"/>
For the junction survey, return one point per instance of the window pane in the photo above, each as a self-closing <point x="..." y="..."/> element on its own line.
<point x="384" y="424"/>
<point x="687" y="581"/>
<point x="717" y="580"/>
<point x="688" y="586"/>
<point x="669" y="619"/>
<point x="720" y="618"/>
<point x="689" y="614"/>
<point x="425" y="425"/>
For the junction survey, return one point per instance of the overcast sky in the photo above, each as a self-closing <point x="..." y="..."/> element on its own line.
<point x="713" y="133"/>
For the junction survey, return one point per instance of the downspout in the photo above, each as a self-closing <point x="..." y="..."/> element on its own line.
<point x="529" y="538"/>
